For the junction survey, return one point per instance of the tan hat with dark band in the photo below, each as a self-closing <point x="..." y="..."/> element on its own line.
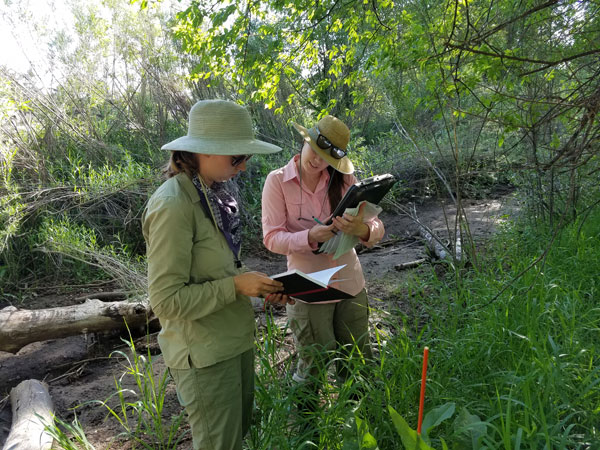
<point x="337" y="134"/>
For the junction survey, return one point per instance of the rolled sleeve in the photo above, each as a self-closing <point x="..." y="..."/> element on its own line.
<point x="376" y="232"/>
<point x="168" y="229"/>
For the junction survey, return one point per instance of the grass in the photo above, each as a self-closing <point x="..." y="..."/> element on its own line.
<point x="522" y="372"/>
<point x="140" y="410"/>
<point x="527" y="363"/>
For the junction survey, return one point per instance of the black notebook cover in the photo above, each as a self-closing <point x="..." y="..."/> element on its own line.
<point x="301" y="286"/>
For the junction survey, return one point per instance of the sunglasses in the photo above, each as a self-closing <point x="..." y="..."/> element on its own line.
<point x="326" y="144"/>
<point x="239" y="159"/>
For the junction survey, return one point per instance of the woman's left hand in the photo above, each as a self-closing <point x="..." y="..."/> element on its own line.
<point x="279" y="299"/>
<point x="353" y="225"/>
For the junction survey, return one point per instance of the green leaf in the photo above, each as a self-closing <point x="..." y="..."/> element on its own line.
<point x="221" y="16"/>
<point x="436" y="416"/>
<point x="410" y="439"/>
<point x="366" y="439"/>
<point x="470" y="428"/>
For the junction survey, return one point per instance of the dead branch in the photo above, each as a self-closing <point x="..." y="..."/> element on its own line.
<point x="410" y="264"/>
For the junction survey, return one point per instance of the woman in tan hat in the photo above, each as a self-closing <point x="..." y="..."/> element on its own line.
<point x="197" y="285"/>
<point x="296" y="200"/>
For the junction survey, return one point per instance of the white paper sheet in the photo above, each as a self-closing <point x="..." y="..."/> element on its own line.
<point x="324" y="276"/>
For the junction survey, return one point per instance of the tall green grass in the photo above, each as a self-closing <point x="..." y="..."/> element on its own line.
<point x="527" y="363"/>
<point x="75" y="231"/>
<point x="519" y="372"/>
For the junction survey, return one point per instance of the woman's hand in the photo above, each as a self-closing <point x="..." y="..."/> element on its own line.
<point x="321" y="233"/>
<point x="353" y="225"/>
<point x="256" y="284"/>
<point x="279" y="299"/>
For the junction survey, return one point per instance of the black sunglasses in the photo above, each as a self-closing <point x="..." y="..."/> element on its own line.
<point x="326" y="144"/>
<point x="237" y="160"/>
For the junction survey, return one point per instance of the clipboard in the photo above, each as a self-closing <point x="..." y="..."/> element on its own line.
<point x="371" y="189"/>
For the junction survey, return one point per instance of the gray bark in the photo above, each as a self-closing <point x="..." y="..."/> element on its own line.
<point x="32" y="410"/>
<point x="19" y="327"/>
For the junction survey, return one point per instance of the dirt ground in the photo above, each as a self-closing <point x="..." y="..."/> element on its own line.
<point x="80" y="369"/>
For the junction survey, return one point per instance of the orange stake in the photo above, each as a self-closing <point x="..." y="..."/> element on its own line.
<point x="423" y="380"/>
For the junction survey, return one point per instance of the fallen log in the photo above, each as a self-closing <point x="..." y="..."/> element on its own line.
<point x="32" y="410"/>
<point x="434" y="243"/>
<point x="440" y="248"/>
<point x="21" y="327"/>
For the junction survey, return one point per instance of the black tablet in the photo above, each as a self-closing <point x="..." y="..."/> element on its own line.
<point x="371" y="189"/>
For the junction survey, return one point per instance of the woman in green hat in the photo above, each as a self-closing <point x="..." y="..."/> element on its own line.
<point x="197" y="286"/>
<point x="297" y="199"/>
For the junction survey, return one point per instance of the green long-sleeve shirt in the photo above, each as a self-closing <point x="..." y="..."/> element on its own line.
<point x="190" y="280"/>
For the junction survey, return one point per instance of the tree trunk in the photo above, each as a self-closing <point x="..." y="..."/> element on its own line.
<point x="31" y="410"/>
<point x="21" y="327"/>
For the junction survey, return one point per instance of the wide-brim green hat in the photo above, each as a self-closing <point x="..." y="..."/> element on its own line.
<point x="337" y="133"/>
<point x="220" y="127"/>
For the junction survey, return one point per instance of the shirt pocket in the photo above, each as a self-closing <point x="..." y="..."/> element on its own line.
<point x="295" y="209"/>
<point x="302" y="213"/>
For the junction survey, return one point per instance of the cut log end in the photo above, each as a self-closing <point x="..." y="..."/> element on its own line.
<point x="32" y="411"/>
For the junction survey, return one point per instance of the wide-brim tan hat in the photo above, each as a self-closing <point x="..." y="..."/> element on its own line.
<point x="337" y="133"/>
<point x="220" y="127"/>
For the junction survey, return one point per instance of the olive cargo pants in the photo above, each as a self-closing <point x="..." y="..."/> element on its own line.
<point x="218" y="400"/>
<point x="324" y="327"/>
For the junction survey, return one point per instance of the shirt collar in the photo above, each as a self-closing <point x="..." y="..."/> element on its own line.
<point x="290" y="171"/>
<point x="186" y="184"/>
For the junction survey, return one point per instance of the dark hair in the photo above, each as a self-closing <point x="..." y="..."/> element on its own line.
<point x="338" y="181"/>
<point x="181" y="161"/>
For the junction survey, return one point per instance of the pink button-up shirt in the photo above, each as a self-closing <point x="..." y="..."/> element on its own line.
<point x="286" y="224"/>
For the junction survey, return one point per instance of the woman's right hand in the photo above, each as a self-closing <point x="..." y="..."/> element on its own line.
<point x="321" y="233"/>
<point x="256" y="284"/>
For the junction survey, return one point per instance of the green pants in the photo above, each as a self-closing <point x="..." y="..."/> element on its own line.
<point x="218" y="400"/>
<point x="319" y="328"/>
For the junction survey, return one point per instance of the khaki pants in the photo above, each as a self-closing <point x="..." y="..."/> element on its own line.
<point x="319" y="328"/>
<point x="218" y="400"/>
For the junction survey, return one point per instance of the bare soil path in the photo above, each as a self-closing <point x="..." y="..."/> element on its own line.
<point x="79" y="369"/>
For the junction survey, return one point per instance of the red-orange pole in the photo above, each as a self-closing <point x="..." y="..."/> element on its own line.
<point x="423" y="380"/>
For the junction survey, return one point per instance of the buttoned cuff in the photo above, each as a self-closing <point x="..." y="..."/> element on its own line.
<point x="309" y="245"/>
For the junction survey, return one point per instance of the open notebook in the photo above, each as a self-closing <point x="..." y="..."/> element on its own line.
<point x="313" y="287"/>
